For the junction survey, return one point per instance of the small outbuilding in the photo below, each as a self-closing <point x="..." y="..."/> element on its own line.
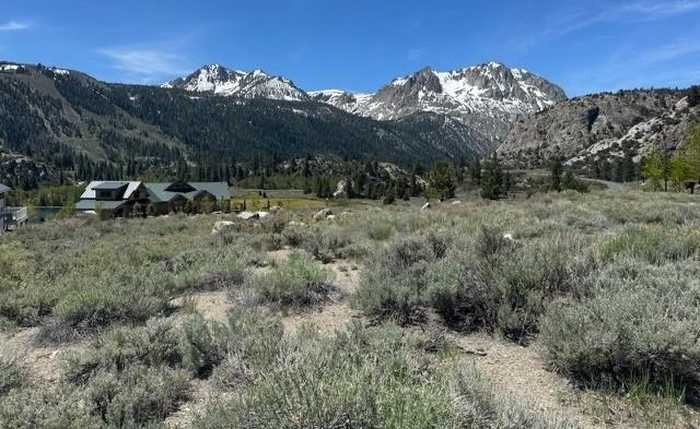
<point x="10" y="217"/>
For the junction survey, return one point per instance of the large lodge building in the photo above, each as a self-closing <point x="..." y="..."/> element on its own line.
<point x="128" y="198"/>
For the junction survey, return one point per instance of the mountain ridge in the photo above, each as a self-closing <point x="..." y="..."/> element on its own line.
<point x="486" y="97"/>
<point x="69" y="121"/>
<point x="603" y="126"/>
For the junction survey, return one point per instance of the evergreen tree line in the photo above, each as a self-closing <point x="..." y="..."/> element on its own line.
<point x="621" y="170"/>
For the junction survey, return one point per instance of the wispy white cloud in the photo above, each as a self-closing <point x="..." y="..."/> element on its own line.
<point x="651" y="66"/>
<point x="659" y="9"/>
<point x="669" y="52"/>
<point x="147" y="64"/>
<point x="581" y="18"/>
<point x="14" y="26"/>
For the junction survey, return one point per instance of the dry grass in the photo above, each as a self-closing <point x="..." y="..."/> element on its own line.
<point x="449" y="269"/>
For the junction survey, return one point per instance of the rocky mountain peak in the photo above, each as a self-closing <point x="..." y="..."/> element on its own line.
<point x="219" y="80"/>
<point x="487" y="97"/>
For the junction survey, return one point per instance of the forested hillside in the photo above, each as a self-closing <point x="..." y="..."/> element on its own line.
<point x="69" y="125"/>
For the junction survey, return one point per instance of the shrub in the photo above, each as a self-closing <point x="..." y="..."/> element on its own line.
<point x="365" y="377"/>
<point x="380" y="230"/>
<point x="204" y="345"/>
<point x="394" y="283"/>
<point x="131" y="377"/>
<point x="299" y="282"/>
<point x="653" y="244"/>
<point x="503" y="286"/>
<point x="258" y="342"/>
<point x="137" y="396"/>
<point x="641" y="321"/>
<point x="355" y="378"/>
<point x="11" y="376"/>
<point x="295" y="235"/>
<point x="60" y="407"/>
<point x="156" y="344"/>
<point x="112" y="297"/>
<point x="328" y="243"/>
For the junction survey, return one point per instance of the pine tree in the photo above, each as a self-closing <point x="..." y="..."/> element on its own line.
<point x="441" y="181"/>
<point x="619" y="171"/>
<point x="629" y="169"/>
<point x="461" y="165"/>
<point x="475" y="171"/>
<point x="319" y="187"/>
<point x="556" y="169"/>
<point x="307" y="166"/>
<point x="653" y="169"/>
<point x="349" y="191"/>
<point x="569" y="181"/>
<point x="692" y="154"/>
<point x="492" y="180"/>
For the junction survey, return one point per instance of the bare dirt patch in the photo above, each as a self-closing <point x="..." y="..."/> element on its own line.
<point x="43" y="362"/>
<point x="520" y="372"/>
<point x="211" y="305"/>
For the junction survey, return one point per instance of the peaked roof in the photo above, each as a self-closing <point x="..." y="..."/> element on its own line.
<point x="89" y="193"/>
<point x="110" y="186"/>
<point x="3" y="189"/>
<point x="159" y="191"/>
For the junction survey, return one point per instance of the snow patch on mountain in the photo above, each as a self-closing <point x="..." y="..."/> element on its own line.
<point x="218" y="80"/>
<point x="9" y="67"/>
<point x="488" y="96"/>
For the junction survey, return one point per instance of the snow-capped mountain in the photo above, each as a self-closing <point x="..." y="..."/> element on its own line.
<point x="218" y="80"/>
<point x="488" y="97"/>
<point x="353" y="103"/>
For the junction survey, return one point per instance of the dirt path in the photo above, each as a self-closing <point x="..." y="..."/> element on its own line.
<point x="336" y="314"/>
<point x="520" y="372"/>
<point x="43" y="362"/>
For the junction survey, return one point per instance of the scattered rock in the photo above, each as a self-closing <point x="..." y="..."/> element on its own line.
<point x="323" y="214"/>
<point x="456" y="203"/>
<point x="426" y="206"/>
<point x="253" y="215"/>
<point x="221" y="225"/>
<point x="508" y="237"/>
<point x="330" y="217"/>
<point x="248" y="216"/>
<point x="340" y="190"/>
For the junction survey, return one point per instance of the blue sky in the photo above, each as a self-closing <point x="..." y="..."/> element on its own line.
<point x="359" y="45"/>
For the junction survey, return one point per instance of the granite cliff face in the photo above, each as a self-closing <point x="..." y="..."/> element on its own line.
<point x="601" y="126"/>
<point x="486" y="98"/>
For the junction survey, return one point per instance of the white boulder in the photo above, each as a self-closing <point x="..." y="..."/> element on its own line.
<point x="221" y="225"/>
<point x="323" y="214"/>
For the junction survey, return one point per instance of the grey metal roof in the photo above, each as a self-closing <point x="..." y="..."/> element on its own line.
<point x="89" y="193"/>
<point x="3" y="189"/>
<point x="157" y="191"/>
<point x="93" y="205"/>
<point x="109" y="186"/>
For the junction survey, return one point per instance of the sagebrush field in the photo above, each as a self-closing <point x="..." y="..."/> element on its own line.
<point x="563" y="310"/>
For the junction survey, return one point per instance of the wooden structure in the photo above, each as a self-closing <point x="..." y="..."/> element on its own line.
<point x="122" y="199"/>
<point x="10" y="217"/>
